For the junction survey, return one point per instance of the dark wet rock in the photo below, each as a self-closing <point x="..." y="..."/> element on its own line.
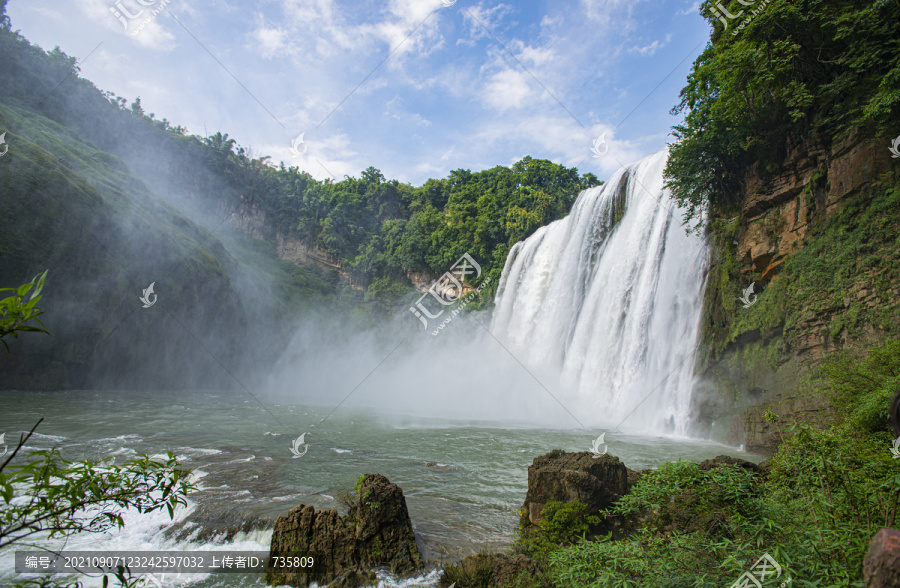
<point x="209" y="524"/>
<point x="634" y="476"/>
<point x="492" y="570"/>
<point x="377" y="531"/>
<point x="722" y="460"/>
<point x="355" y="579"/>
<point x="440" y="466"/>
<point x="881" y="567"/>
<point x="383" y="527"/>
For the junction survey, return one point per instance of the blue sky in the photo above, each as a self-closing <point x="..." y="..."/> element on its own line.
<point x="415" y="88"/>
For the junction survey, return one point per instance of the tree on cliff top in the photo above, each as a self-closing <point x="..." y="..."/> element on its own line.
<point x="789" y="73"/>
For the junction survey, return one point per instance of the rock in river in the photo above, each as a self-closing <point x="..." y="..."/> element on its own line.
<point x="377" y="531"/>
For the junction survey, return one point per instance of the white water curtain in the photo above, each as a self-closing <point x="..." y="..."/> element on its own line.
<point x="610" y="299"/>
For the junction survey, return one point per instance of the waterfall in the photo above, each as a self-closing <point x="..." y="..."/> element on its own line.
<point x="608" y="300"/>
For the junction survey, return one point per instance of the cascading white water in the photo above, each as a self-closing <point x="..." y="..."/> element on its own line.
<point x="609" y="298"/>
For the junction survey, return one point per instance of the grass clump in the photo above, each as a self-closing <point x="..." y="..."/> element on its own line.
<point x="561" y="523"/>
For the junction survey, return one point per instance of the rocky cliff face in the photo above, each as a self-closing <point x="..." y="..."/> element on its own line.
<point x="422" y="281"/>
<point x="824" y="284"/>
<point x="303" y="253"/>
<point x="251" y="220"/>
<point x="779" y="211"/>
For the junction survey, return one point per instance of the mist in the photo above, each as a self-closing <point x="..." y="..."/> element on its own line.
<point x="463" y="373"/>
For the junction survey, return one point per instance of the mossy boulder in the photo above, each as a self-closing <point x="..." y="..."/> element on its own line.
<point x="595" y="482"/>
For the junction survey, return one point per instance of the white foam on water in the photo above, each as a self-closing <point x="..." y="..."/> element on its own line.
<point x="142" y="532"/>
<point x="198" y="451"/>
<point x="387" y="581"/>
<point x="54" y="439"/>
<point x="242" y="460"/>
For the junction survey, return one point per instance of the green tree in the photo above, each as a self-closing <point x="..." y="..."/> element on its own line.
<point x="4" y="18"/>
<point x="793" y="74"/>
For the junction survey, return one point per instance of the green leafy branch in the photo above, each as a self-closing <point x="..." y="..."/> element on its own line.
<point x="49" y="494"/>
<point x="15" y="313"/>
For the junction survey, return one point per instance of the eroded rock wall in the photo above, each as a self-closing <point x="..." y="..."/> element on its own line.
<point x="753" y="365"/>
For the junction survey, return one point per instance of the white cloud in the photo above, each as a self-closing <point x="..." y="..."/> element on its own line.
<point x="449" y="97"/>
<point x="483" y="22"/>
<point x="536" y="56"/>
<point x="691" y="10"/>
<point x="652" y="48"/>
<point x="154" y="35"/>
<point x="409" y="27"/>
<point x="520" y="81"/>
<point x="608" y="11"/>
<point x="507" y="89"/>
<point x="319" y="21"/>
<point x="395" y="109"/>
<point x="326" y="156"/>
<point x="270" y="40"/>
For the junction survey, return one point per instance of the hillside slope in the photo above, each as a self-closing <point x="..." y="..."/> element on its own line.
<point x="76" y="210"/>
